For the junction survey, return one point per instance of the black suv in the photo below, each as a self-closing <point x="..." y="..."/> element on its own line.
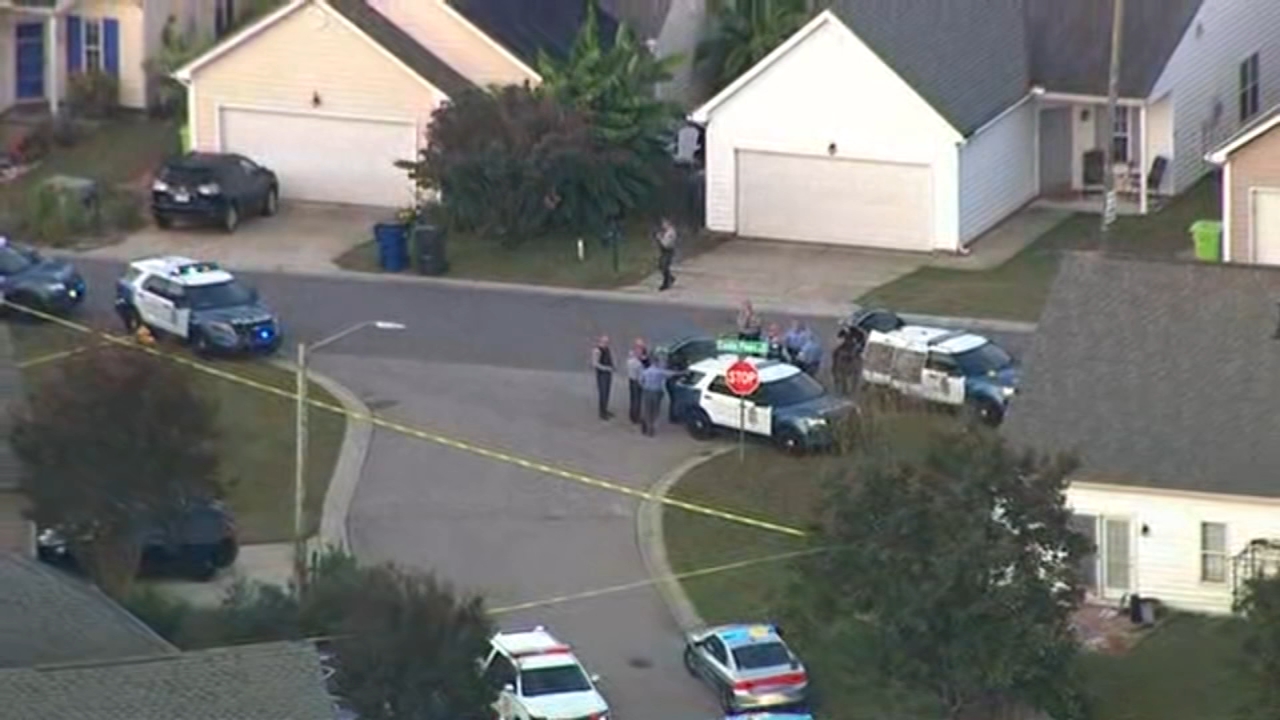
<point x="198" y="546"/>
<point x="217" y="188"/>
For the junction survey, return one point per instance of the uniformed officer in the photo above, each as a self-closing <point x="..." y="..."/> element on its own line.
<point x="637" y="361"/>
<point x="602" y="361"/>
<point x="653" y="383"/>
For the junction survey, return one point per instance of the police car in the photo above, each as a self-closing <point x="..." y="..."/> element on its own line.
<point x="541" y="679"/>
<point x="789" y="407"/>
<point x="938" y="365"/>
<point x="198" y="302"/>
<point x="748" y="666"/>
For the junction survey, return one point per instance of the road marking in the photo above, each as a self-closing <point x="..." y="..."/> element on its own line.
<point x="421" y="434"/>
<point x="675" y="577"/>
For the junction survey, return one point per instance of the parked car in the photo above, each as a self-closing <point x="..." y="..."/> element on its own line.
<point x="30" y="280"/>
<point x="198" y="303"/>
<point x="213" y="188"/>
<point x="541" y="679"/>
<point x="197" y="546"/>
<point x="748" y="666"/>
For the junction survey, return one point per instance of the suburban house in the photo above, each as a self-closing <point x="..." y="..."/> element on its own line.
<point x="919" y="125"/>
<point x="1162" y="377"/>
<point x="43" y="42"/>
<point x="332" y="127"/>
<point x="68" y="652"/>
<point x="17" y="533"/>
<point x="1250" y="162"/>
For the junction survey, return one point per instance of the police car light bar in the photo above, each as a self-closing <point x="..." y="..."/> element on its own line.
<point x="738" y="346"/>
<point x="196" y="268"/>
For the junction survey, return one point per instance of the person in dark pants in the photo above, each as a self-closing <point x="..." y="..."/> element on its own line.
<point x="637" y="361"/>
<point x="653" y="384"/>
<point x="846" y="361"/>
<point x="666" y="240"/>
<point x="748" y="322"/>
<point x="602" y="361"/>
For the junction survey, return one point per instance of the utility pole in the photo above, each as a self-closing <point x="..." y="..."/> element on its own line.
<point x="1113" y="91"/>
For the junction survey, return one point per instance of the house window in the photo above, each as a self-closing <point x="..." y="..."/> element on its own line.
<point x="1213" y="552"/>
<point x="92" y="45"/>
<point x="1120" y="136"/>
<point x="1249" y="87"/>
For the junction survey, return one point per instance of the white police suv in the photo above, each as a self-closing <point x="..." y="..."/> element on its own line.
<point x="541" y="679"/>
<point x="197" y="302"/>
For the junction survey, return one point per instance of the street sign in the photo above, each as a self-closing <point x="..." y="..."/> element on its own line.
<point x="736" y="346"/>
<point x="742" y="378"/>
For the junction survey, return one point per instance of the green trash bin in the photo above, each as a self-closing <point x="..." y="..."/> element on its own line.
<point x="1206" y="235"/>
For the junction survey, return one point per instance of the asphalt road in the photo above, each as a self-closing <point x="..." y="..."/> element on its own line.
<point x="508" y="370"/>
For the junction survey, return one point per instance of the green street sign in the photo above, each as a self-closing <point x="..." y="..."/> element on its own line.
<point x="736" y="346"/>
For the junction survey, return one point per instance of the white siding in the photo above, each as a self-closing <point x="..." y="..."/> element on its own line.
<point x="1166" y="562"/>
<point x="998" y="170"/>
<point x="831" y="89"/>
<point x="1203" y="73"/>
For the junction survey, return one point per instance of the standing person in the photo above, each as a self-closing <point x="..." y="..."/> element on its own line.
<point x="666" y="241"/>
<point x="794" y="340"/>
<point x="776" y="347"/>
<point x="653" y="383"/>
<point x="637" y="361"/>
<point x="602" y="361"/>
<point x="846" y="362"/>
<point x="748" y="322"/>
<point x="809" y="359"/>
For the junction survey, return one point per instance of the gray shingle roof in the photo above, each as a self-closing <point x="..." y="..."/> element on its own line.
<point x="47" y="616"/>
<point x="11" y="394"/>
<point x="1159" y="374"/>
<point x="1071" y="43"/>
<point x="276" y="681"/>
<point x="396" y="41"/>
<point x="526" y="27"/>
<point x="645" y="17"/>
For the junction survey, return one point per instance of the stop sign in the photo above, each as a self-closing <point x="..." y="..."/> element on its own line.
<point x="742" y="378"/>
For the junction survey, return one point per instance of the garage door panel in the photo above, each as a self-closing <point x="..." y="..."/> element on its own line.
<point x="1266" y="225"/>
<point x="326" y="159"/>
<point x="831" y="200"/>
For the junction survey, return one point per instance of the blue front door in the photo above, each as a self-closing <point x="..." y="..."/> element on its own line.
<point x="30" y="62"/>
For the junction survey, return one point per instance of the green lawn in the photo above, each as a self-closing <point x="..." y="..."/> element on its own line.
<point x="257" y="430"/>
<point x="1017" y="289"/>
<point x="546" y="261"/>
<point x="1183" y="671"/>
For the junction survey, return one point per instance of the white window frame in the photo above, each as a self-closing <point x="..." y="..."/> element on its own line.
<point x="1250" y="91"/>
<point x="1122" y="129"/>
<point x="1207" y="554"/>
<point x="97" y="50"/>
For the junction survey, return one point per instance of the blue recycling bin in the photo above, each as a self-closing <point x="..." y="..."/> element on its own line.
<point x="393" y="246"/>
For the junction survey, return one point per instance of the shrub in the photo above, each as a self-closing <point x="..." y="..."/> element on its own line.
<point x="52" y="217"/>
<point x="32" y="144"/>
<point x="121" y="210"/>
<point x="93" y="94"/>
<point x="63" y="131"/>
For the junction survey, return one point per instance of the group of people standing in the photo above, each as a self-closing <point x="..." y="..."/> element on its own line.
<point x="802" y="346"/>
<point x="647" y="376"/>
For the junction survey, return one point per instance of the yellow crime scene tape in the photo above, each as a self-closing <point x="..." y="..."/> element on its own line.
<point x="402" y="428"/>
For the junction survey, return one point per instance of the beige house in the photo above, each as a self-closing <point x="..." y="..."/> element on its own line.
<point x="1250" y="160"/>
<point x="43" y="42"/>
<point x="332" y="118"/>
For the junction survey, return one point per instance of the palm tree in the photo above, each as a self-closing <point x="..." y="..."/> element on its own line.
<point x="744" y="31"/>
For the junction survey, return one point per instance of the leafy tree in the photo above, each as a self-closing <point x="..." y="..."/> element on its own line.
<point x="744" y="31"/>
<point x="1260" y="606"/>
<point x="111" y="440"/>
<point x="962" y="564"/>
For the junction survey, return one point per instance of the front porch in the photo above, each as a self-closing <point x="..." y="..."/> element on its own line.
<point x="47" y="47"/>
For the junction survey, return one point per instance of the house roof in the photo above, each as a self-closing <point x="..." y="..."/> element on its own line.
<point x="1251" y="131"/>
<point x="1070" y="43"/>
<point x="11" y="394"/>
<point x="1158" y="374"/>
<point x="275" y="681"/>
<point x="47" y="616"/>
<point x="527" y="26"/>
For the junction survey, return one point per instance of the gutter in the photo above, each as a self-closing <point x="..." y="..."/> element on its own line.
<point x="1035" y="92"/>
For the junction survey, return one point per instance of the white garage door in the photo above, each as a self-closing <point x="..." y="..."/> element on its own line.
<point x="326" y="159"/>
<point x="829" y="200"/>
<point x="1266" y="225"/>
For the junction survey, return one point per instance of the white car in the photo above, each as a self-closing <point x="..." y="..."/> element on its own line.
<point x="541" y="679"/>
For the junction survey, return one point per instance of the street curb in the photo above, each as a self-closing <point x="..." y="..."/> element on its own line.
<point x="350" y="463"/>
<point x="653" y="546"/>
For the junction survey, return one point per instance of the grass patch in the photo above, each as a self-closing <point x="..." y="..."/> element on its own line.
<point x="257" y="435"/>
<point x="1017" y="289"/>
<point x="550" y="260"/>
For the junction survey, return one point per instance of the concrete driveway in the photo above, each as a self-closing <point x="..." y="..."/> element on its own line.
<point x="302" y="237"/>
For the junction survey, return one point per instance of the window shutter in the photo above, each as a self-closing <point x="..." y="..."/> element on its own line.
<point x="75" y="46"/>
<point x="111" y="46"/>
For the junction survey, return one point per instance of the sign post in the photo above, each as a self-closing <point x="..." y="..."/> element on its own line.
<point x="742" y="379"/>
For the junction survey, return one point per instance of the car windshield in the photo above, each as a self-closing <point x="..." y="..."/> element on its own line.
<point x="983" y="359"/>
<point x="13" y="260"/>
<point x="219" y="295"/>
<point x="761" y="655"/>
<point x="798" y="388"/>
<point x="553" y="681"/>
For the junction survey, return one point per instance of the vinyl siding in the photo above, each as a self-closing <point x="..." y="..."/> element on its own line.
<point x="798" y="105"/>
<point x="1254" y="165"/>
<point x="350" y="74"/>
<point x="1166" y="562"/>
<point x="998" y="170"/>
<point x="8" y="55"/>
<point x="454" y="41"/>
<point x="1203" y="73"/>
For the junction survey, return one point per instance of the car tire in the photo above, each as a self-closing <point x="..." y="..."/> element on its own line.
<point x="986" y="411"/>
<point x="200" y="344"/>
<point x="790" y="442"/>
<point x="163" y="222"/>
<point x="271" y="203"/>
<point x="226" y="554"/>
<point x="231" y="218"/>
<point x="726" y="701"/>
<point x="198" y="563"/>
<point x="689" y="661"/>
<point x="699" y="425"/>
